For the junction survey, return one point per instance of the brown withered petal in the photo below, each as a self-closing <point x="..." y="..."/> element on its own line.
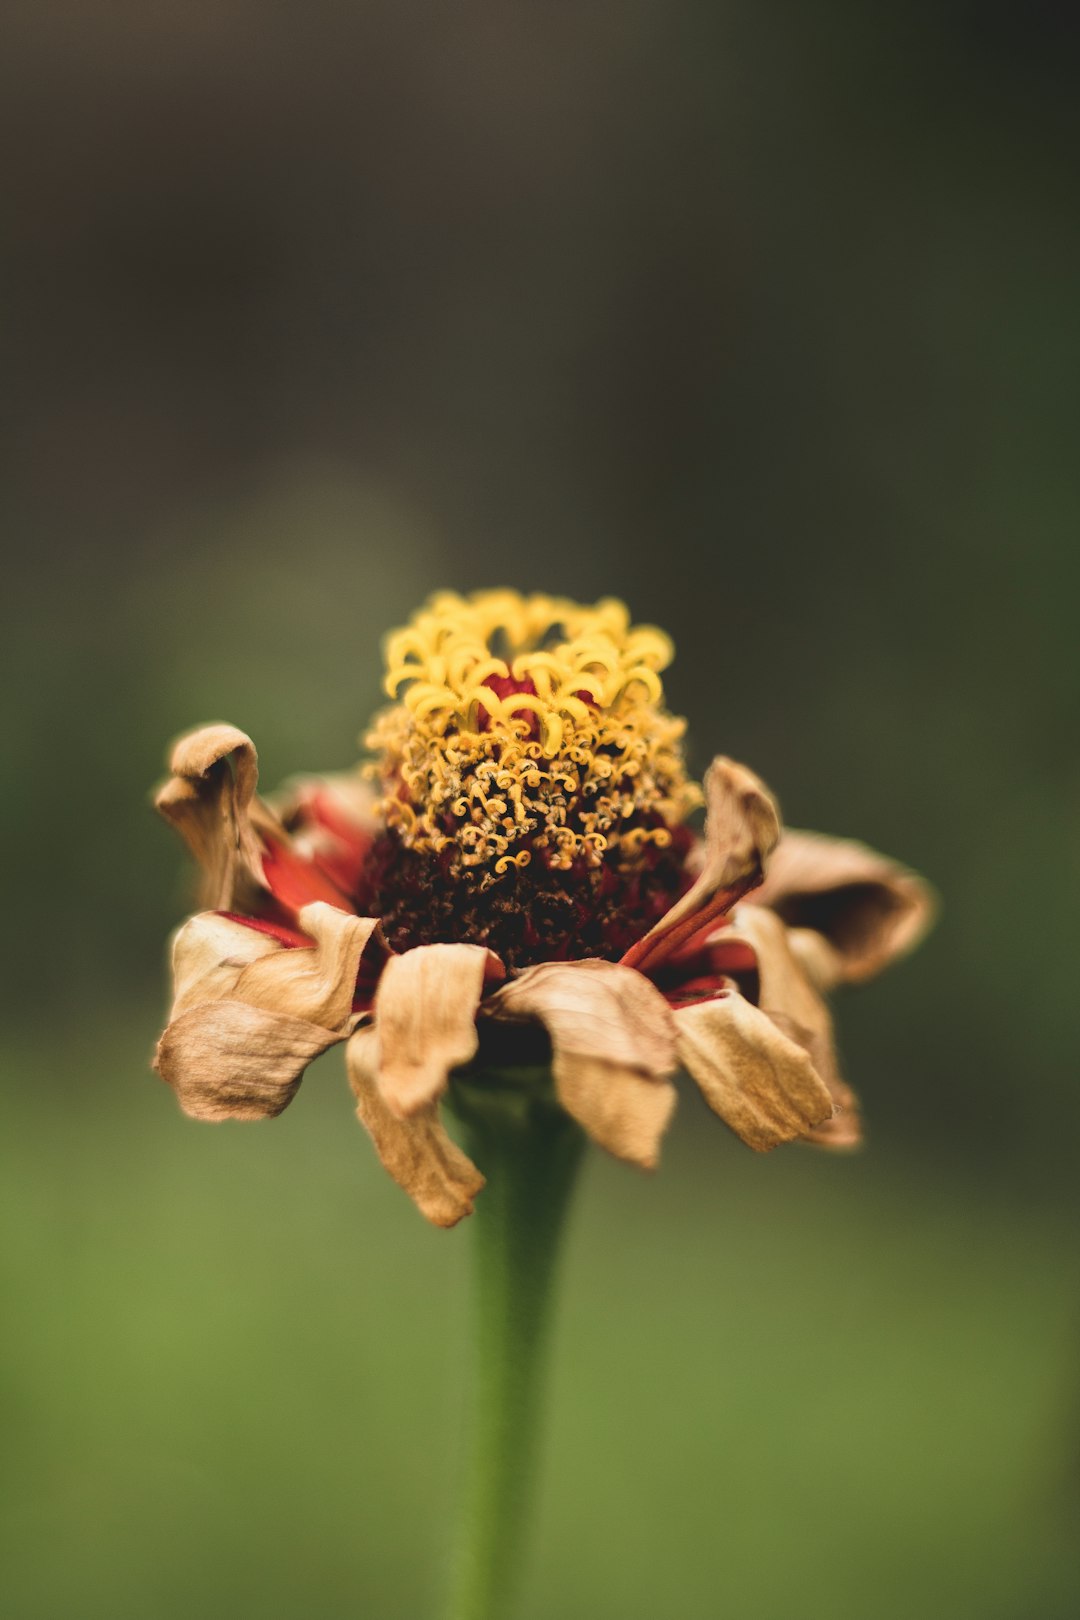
<point x="867" y="908"/>
<point x="844" y="1129"/>
<point x="319" y="983"/>
<point x="741" y="829"/>
<point x="208" y="799"/>
<point x="613" y="1048"/>
<point x="229" y="1060"/>
<point x="249" y="1014"/>
<point x="209" y="953"/>
<point x="762" y="1084"/>
<point x="784" y="991"/>
<point x="216" y="958"/>
<point x="819" y="960"/>
<point x="440" y="1179"/>
<point x="620" y="1108"/>
<point x="425" y="1009"/>
<point x="843" y="1133"/>
<point x="787" y="996"/>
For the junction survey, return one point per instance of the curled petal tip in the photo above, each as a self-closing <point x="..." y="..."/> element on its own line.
<point x="864" y="909"/>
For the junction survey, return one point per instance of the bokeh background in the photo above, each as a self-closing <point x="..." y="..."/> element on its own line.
<point x="765" y="318"/>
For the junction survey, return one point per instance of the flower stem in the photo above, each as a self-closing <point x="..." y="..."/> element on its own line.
<point x="529" y="1151"/>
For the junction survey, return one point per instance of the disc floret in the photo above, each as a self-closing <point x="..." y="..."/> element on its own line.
<point x="530" y="732"/>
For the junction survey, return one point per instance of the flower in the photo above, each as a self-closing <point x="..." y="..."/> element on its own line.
<point x="513" y="872"/>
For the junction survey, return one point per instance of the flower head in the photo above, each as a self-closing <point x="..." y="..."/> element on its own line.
<point x="521" y="876"/>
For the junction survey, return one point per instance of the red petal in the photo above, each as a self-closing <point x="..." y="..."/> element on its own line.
<point x="505" y="686"/>
<point x="296" y="881"/>
<point x="344" y="862"/>
<point x="289" y="937"/>
<point x="706" y="988"/>
<point x="494" y="972"/>
<point x="705" y="971"/>
<point x="653" y="949"/>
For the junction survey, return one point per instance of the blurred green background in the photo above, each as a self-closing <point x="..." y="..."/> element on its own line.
<point x="765" y="318"/>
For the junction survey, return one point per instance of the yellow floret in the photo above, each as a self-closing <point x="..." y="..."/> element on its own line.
<point x="463" y="766"/>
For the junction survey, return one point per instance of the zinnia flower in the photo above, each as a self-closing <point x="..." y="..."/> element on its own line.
<point x="513" y="876"/>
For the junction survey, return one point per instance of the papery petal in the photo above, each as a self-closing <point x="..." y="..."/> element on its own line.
<point x="216" y="957"/>
<point x="425" y="1009"/>
<point x="762" y="1084"/>
<point x="741" y="828"/>
<point x="240" y="844"/>
<point x="208" y="800"/>
<point x="851" y="910"/>
<point x="619" y="1107"/>
<point x="787" y="996"/>
<point x="229" y="1060"/>
<point x="209" y="953"/>
<point x="316" y="984"/>
<point x="785" y="993"/>
<point x="843" y="1133"/>
<point x="613" y="1048"/>
<point x="250" y="1013"/>
<point x="440" y="1179"/>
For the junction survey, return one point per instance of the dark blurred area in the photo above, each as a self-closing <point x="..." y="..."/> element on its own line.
<point x="764" y="318"/>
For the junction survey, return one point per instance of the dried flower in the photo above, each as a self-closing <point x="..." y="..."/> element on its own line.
<point x="515" y="865"/>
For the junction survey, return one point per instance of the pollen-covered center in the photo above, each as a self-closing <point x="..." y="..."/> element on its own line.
<point x="534" y="792"/>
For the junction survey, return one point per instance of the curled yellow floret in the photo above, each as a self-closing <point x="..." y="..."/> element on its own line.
<point x="529" y="725"/>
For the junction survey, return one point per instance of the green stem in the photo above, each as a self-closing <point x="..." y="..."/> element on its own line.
<point x="529" y="1151"/>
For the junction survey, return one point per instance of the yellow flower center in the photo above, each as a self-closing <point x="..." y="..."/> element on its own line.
<point x="529" y="729"/>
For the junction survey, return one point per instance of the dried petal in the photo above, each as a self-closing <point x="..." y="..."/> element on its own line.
<point x="741" y="828"/>
<point x="613" y="1048"/>
<point x="251" y="1013"/>
<point x="787" y="996"/>
<point x="229" y="1060"/>
<point x="209" y="953"/>
<point x="243" y="849"/>
<point x="843" y="1133"/>
<point x="425" y="1009"/>
<point x="216" y="957"/>
<point x="620" y="1108"/>
<point x="851" y="910"/>
<point x="314" y="984"/>
<point x="417" y="1152"/>
<point x="208" y="800"/>
<point x="762" y="1084"/>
